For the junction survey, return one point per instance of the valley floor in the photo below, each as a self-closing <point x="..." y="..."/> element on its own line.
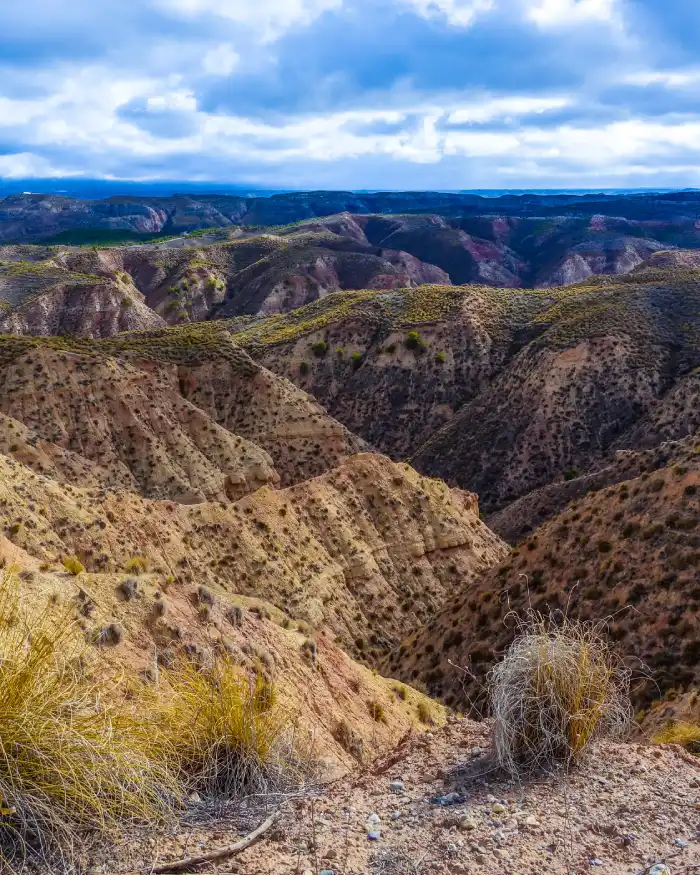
<point x="435" y="805"/>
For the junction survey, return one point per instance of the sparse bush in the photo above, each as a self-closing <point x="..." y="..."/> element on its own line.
<point x="205" y="596"/>
<point x="235" y="616"/>
<point x="401" y="692"/>
<point x="73" y="565"/>
<point x="558" y="689"/>
<point x="356" y="360"/>
<point x="376" y="710"/>
<point x="320" y="348"/>
<point x="108" y="636"/>
<point x="424" y="713"/>
<point x="439" y="358"/>
<point x="309" y="650"/>
<point x="136" y="565"/>
<point x="303" y="368"/>
<point x="128" y="588"/>
<point x="415" y="342"/>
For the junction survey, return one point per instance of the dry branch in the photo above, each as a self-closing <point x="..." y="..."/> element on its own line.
<point x="223" y="854"/>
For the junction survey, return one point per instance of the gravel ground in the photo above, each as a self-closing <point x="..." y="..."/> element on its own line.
<point x="436" y="805"/>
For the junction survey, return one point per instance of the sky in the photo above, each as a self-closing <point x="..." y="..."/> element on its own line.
<point x="353" y="94"/>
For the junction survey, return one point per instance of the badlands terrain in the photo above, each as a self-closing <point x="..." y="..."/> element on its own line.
<point x="343" y="453"/>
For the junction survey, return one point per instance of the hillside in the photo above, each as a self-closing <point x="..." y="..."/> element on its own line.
<point x="604" y="361"/>
<point x="365" y="552"/>
<point x="101" y="292"/>
<point x="499" y="391"/>
<point x="169" y="414"/>
<point x="625" y="549"/>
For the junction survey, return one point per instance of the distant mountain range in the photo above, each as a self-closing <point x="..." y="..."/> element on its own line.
<point x="39" y="217"/>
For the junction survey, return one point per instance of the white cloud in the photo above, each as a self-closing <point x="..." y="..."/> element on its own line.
<point x="79" y="128"/>
<point x="459" y="13"/>
<point x="172" y="101"/>
<point x="25" y="165"/>
<point x="222" y="60"/>
<point x="670" y="78"/>
<point x="270" y="18"/>
<point x="506" y="108"/>
<point x="555" y="13"/>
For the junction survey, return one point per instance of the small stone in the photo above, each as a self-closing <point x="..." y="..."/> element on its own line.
<point x="373" y="819"/>
<point x="660" y="869"/>
<point x="326" y="872"/>
<point x="531" y="820"/>
<point x="397" y="786"/>
<point x="395" y="815"/>
<point x="195" y="797"/>
<point x="476" y="752"/>
<point x="467" y="824"/>
<point x="679" y="843"/>
<point x="595" y="862"/>
<point x="308" y="872"/>
<point x="374" y="835"/>
<point x="498" y="808"/>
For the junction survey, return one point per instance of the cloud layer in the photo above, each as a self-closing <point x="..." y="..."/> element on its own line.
<point x="354" y="93"/>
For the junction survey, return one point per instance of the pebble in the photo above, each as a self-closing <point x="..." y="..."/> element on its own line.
<point x="679" y="843"/>
<point x="395" y="815"/>
<point x="660" y="869"/>
<point x="498" y="808"/>
<point x="374" y="835"/>
<point x="466" y="824"/>
<point x="397" y="786"/>
<point x="448" y="799"/>
<point x="596" y="862"/>
<point x="531" y="820"/>
<point x="476" y="752"/>
<point x="373" y="819"/>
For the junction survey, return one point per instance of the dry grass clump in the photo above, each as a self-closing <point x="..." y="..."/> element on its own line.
<point x="559" y="689"/>
<point x="73" y="565"/>
<point x="685" y="734"/>
<point x="226" y="729"/>
<point x="71" y="766"/>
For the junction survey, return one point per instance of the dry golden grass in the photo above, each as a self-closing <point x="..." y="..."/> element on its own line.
<point x="73" y="565"/>
<point x="558" y="689"/>
<point x="685" y="734"/>
<point x="72" y="767"/>
<point x="224" y="727"/>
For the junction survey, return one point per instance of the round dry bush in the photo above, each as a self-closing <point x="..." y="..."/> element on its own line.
<point x="558" y="690"/>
